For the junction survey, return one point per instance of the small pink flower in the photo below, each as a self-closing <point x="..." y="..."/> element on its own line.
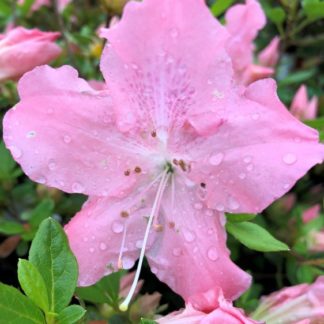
<point x="293" y="304"/>
<point x="22" y="49"/>
<point x="311" y="213"/>
<point x="269" y="56"/>
<point x="221" y="311"/>
<point x="169" y="147"/>
<point x="301" y="108"/>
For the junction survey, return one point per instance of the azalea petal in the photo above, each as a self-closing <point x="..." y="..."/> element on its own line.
<point x="97" y="232"/>
<point x="193" y="245"/>
<point x="62" y="134"/>
<point x="257" y="154"/>
<point x="154" y="69"/>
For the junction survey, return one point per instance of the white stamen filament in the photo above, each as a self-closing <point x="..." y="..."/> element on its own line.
<point x="124" y="305"/>
<point x="120" y="257"/>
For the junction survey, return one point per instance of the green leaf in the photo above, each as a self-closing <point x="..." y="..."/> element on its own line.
<point x="42" y="211"/>
<point x="26" y="6"/>
<point x="297" y="77"/>
<point x="276" y="15"/>
<point x="314" y="9"/>
<point x="104" y="291"/>
<point x="11" y="227"/>
<point x="33" y="284"/>
<point x="255" y="237"/>
<point x="17" y="308"/>
<point x="8" y="167"/>
<point x="70" y="314"/>
<point x="220" y="7"/>
<point x="51" y="254"/>
<point x="237" y="218"/>
<point x="147" y="321"/>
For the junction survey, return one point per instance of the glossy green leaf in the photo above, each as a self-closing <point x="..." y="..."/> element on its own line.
<point x="220" y="6"/>
<point x="16" y="308"/>
<point x="237" y="218"/>
<point x="255" y="237"/>
<point x="70" y="314"/>
<point x="10" y="227"/>
<point x="297" y="77"/>
<point x="314" y="9"/>
<point x="8" y="167"/>
<point x="276" y="15"/>
<point x="33" y="284"/>
<point x="147" y="321"/>
<point x="51" y="255"/>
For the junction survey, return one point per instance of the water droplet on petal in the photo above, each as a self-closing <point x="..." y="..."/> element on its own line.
<point x="154" y="270"/>
<point x="77" y="187"/>
<point x="41" y="180"/>
<point x="102" y="246"/>
<point x="250" y="167"/>
<point x="188" y="235"/>
<point x="176" y="252"/>
<point x="220" y="207"/>
<point x="233" y="203"/>
<point x="247" y="159"/>
<point x="209" y="212"/>
<point x="286" y="185"/>
<point x="52" y="165"/>
<point x="289" y="158"/>
<point x="216" y="159"/>
<point x="85" y="239"/>
<point x="212" y="254"/>
<point x="31" y="134"/>
<point x="91" y="250"/>
<point x="16" y="152"/>
<point x="242" y="176"/>
<point x="117" y="227"/>
<point x="67" y="139"/>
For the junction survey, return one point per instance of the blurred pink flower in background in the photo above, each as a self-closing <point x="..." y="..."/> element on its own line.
<point x="171" y="145"/>
<point x="301" y="107"/>
<point x="243" y="21"/>
<point x="293" y="304"/>
<point x="218" y="311"/>
<point x="269" y="56"/>
<point x="311" y="213"/>
<point x="23" y="49"/>
<point x="39" y="3"/>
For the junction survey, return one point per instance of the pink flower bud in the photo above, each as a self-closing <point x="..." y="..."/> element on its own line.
<point x="269" y="56"/>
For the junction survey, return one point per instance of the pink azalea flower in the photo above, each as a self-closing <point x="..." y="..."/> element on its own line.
<point x="221" y="311"/>
<point x="39" y="3"/>
<point x="169" y="147"/>
<point x="243" y="22"/>
<point x="22" y="49"/>
<point x="311" y="213"/>
<point x="293" y="304"/>
<point x="269" y="56"/>
<point x="301" y="108"/>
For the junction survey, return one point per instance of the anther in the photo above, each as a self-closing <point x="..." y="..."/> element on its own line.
<point x="138" y="169"/>
<point x="127" y="173"/>
<point x="153" y="134"/>
<point x="183" y="165"/>
<point x="175" y="162"/>
<point x="171" y="224"/>
<point x="158" y="227"/>
<point x="124" y="214"/>
<point x="203" y="185"/>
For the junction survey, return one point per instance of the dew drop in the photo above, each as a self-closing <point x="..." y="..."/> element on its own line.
<point x="102" y="246"/>
<point x="216" y="159"/>
<point x="51" y="165"/>
<point x="289" y="158"/>
<point x="176" y="252"/>
<point x="286" y="186"/>
<point x="154" y="270"/>
<point x="77" y="187"/>
<point x="210" y="232"/>
<point x="91" y="250"/>
<point x="188" y="235"/>
<point x="209" y="212"/>
<point x="220" y="207"/>
<point x="242" y="176"/>
<point x="233" y="203"/>
<point x="16" y="152"/>
<point x="67" y="139"/>
<point x="85" y="239"/>
<point x="212" y="254"/>
<point x="247" y="159"/>
<point x="117" y="227"/>
<point x="41" y="180"/>
<point x="250" y="167"/>
<point x="31" y="134"/>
